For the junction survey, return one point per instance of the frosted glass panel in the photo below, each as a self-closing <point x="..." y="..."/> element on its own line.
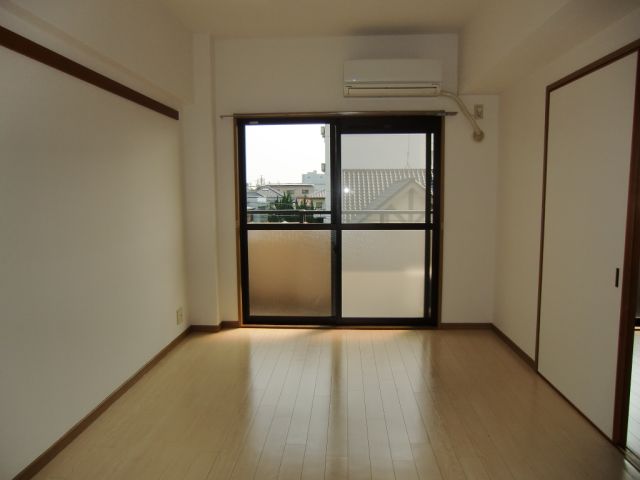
<point x="383" y="273"/>
<point x="289" y="272"/>
<point x="385" y="178"/>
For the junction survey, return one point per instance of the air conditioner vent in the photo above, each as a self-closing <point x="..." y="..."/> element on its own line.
<point x="392" y="78"/>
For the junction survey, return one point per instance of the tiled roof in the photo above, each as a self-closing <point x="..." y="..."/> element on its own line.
<point x="368" y="186"/>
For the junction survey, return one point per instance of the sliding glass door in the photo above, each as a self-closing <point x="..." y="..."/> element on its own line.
<point x="287" y="241"/>
<point x="338" y="220"/>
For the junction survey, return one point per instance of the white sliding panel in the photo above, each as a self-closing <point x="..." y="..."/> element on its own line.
<point x="589" y="148"/>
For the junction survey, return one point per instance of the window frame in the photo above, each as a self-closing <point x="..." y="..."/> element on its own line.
<point x="345" y="124"/>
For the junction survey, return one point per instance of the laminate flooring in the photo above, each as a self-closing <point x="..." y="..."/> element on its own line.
<point x="337" y="404"/>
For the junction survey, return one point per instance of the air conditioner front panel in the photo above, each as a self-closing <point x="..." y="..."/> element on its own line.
<point x="382" y="90"/>
<point x="392" y="78"/>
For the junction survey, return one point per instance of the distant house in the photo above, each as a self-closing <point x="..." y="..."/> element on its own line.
<point x="318" y="199"/>
<point x="384" y="195"/>
<point x="303" y="193"/>
<point x="268" y="192"/>
<point x="294" y="189"/>
<point x="256" y="200"/>
<point x="262" y="197"/>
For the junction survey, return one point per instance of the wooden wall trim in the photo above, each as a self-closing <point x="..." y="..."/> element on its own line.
<point x="225" y="324"/>
<point x="465" y="326"/>
<point x="511" y="344"/>
<point x="578" y="411"/>
<point x="542" y="223"/>
<point x="205" y="328"/>
<point x="39" y="463"/>
<point x="532" y="364"/>
<point x="31" y="49"/>
<point x="598" y="64"/>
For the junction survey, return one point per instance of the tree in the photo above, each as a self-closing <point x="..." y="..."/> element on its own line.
<point x="293" y="211"/>
<point x="283" y="203"/>
<point x="310" y="218"/>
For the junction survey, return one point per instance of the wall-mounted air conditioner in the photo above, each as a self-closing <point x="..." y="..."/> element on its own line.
<point x="392" y="78"/>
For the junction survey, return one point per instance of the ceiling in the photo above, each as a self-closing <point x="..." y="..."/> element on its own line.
<point x="500" y="40"/>
<point x="266" y="18"/>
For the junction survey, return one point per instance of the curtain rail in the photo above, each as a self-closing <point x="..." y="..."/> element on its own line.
<point x="439" y="113"/>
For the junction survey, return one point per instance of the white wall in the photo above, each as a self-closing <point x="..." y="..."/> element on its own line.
<point x="91" y="249"/>
<point x="200" y="189"/>
<point x="164" y="61"/>
<point x="509" y="39"/>
<point x="137" y="42"/>
<point x="92" y="269"/>
<point x="305" y="75"/>
<point x="520" y="181"/>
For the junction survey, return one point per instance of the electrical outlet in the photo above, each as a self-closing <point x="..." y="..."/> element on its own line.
<point x="179" y="316"/>
<point x="478" y="111"/>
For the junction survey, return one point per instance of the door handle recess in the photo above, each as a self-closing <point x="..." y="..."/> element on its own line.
<point x="617" y="277"/>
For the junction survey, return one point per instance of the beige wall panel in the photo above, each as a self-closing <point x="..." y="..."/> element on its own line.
<point x="91" y="250"/>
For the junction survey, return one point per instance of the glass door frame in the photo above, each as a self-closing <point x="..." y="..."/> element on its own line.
<point x="405" y="123"/>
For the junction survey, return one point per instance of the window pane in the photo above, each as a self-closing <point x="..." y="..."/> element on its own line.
<point x="287" y="173"/>
<point x="383" y="273"/>
<point x="289" y="272"/>
<point x="385" y="178"/>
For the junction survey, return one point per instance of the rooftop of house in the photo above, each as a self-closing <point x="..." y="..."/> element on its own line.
<point x="268" y="191"/>
<point x="294" y="184"/>
<point x="370" y="187"/>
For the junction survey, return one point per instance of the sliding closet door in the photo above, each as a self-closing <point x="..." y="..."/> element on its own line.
<point x="588" y="160"/>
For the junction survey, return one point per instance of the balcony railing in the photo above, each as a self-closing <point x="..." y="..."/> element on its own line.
<point x="348" y="216"/>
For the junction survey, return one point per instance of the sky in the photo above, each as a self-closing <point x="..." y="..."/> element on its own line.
<point x="282" y="153"/>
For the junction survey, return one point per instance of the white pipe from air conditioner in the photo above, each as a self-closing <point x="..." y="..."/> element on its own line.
<point x="478" y="134"/>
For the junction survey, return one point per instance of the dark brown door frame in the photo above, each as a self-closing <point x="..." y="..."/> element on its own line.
<point x="631" y="269"/>
<point x="630" y="274"/>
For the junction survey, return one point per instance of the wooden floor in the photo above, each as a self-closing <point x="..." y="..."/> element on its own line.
<point x="333" y="404"/>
